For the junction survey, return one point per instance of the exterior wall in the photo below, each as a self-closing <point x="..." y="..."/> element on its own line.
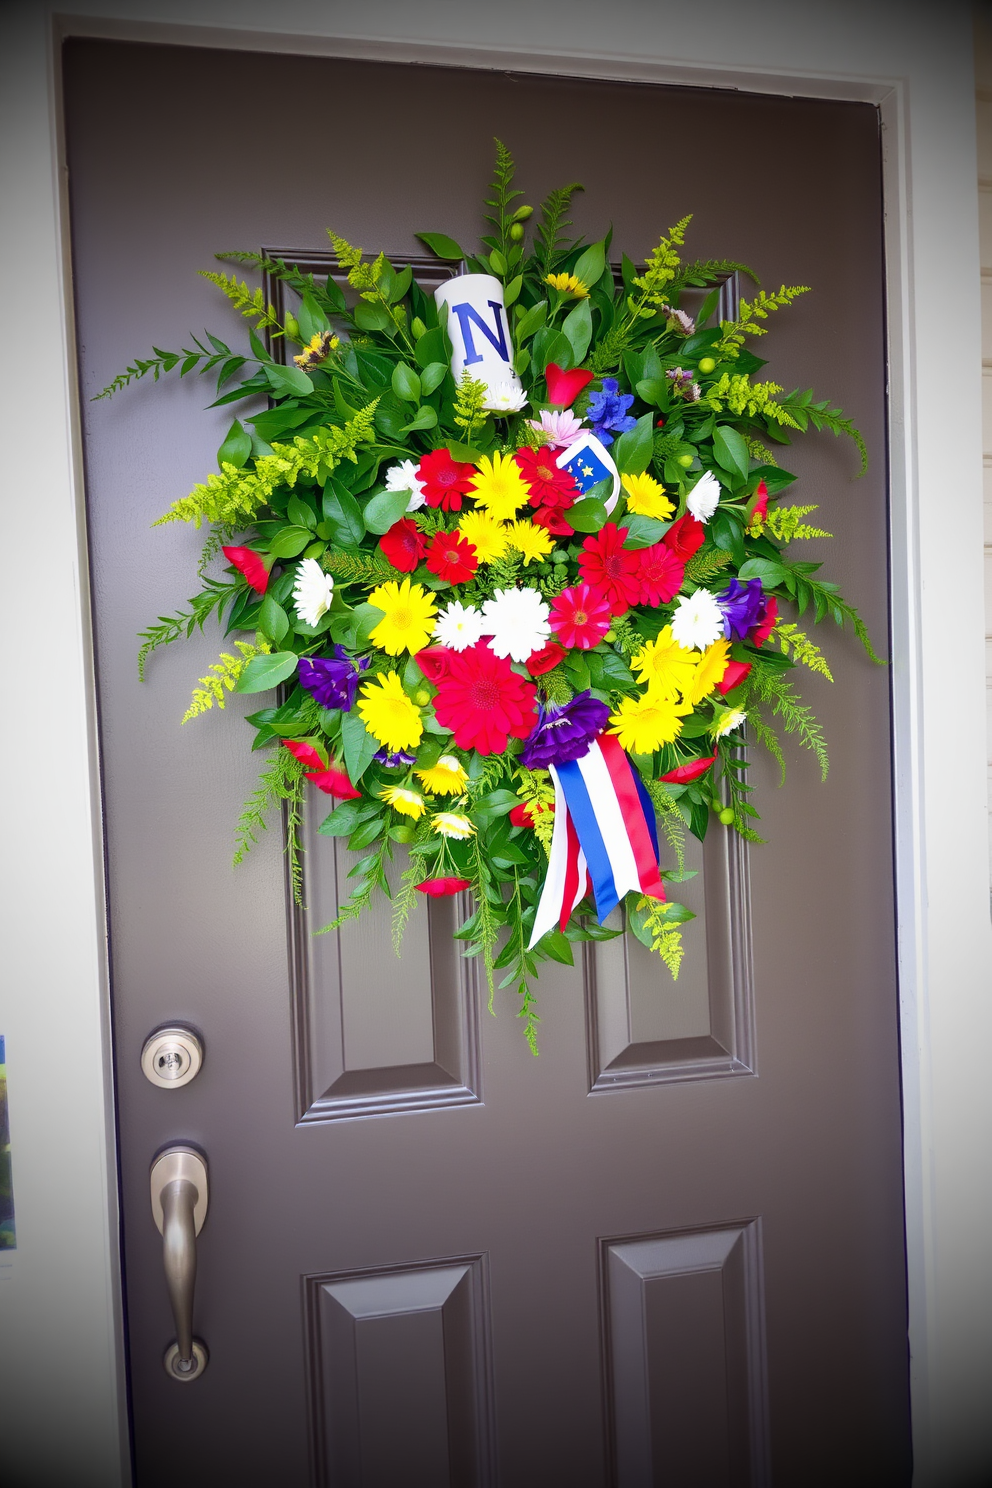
<point x="60" y="1386"/>
<point x="983" y="121"/>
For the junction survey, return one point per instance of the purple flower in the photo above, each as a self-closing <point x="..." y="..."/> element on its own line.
<point x="564" y="731"/>
<point x="333" y="681"/>
<point x="741" y="605"/>
<point x="398" y="761"/>
<point x="608" y="411"/>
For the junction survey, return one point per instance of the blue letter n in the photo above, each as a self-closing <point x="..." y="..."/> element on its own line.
<point x="466" y="315"/>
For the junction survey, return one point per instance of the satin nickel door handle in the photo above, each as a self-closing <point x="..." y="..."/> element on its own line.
<point x="179" y="1194"/>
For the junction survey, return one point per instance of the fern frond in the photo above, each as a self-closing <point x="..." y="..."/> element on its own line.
<point x="659" y="271"/>
<point x="826" y="600"/>
<point x="555" y="686"/>
<point x="282" y="779"/>
<point x="470" y="399"/>
<point x="747" y="399"/>
<point x="494" y="767"/>
<point x="703" y="566"/>
<point x="502" y="195"/>
<point x="605" y="356"/>
<point x="248" y="302"/>
<point x="536" y="789"/>
<point x="750" y="316"/>
<point x="703" y="272"/>
<point x="549" y="246"/>
<point x="767" y="736"/>
<point x="222" y="677"/>
<point x="786" y="523"/>
<point x="792" y="642"/>
<point x="372" y="877"/>
<point x="164" y="361"/>
<point x="804" y="411"/>
<point x="772" y="688"/>
<point x="234" y="497"/>
<point x="672" y="822"/>
<point x="358" y="568"/>
<point x="172" y="627"/>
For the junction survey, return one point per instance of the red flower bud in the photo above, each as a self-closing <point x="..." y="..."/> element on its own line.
<point x="549" y="655"/>
<point x="733" y="676"/>
<point x="334" y="783"/>
<point x="760" y="509"/>
<point x="305" y="753"/>
<point x="523" y="815"/>
<point x="250" y="565"/>
<point x="689" y="771"/>
<point x="433" y="662"/>
<point x="438" y="887"/>
<point x="565" y="387"/>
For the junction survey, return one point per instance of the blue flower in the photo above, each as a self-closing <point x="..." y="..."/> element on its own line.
<point x="397" y="761"/>
<point x="741" y="605"/>
<point x="333" y="681"/>
<point x="607" y="411"/>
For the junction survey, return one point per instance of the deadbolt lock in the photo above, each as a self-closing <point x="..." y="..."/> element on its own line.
<point x="171" y="1057"/>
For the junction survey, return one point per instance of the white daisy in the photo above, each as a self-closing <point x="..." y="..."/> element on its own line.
<point x="704" y="498"/>
<point x="403" y="477"/>
<point x="312" y="591"/>
<point x="505" y="397"/>
<point x="517" y="620"/>
<point x="452" y="824"/>
<point x="459" y="626"/>
<point x="727" y="722"/>
<point x="698" y="621"/>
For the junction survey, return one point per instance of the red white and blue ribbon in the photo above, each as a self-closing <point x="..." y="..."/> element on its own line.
<point x="604" y="841"/>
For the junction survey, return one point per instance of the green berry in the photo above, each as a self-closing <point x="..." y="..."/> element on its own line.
<point x="418" y="328"/>
<point x="610" y="636"/>
<point x="717" y="804"/>
<point x="685" y="461"/>
<point x="727" y="816"/>
<point x="522" y="213"/>
<point x="292" y="326"/>
<point x="516" y="232"/>
<point x="422" y="698"/>
<point x="706" y="364"/>
<point x="558" y="556"/>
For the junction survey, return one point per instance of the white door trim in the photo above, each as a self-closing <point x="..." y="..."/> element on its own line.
<point x="914" y="62"/>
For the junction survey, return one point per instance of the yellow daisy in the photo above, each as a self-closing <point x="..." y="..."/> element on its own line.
<point x="709" y="670"/>
<point x="500" y="486"/>
<point x="568" y="284"/>
<point x="665" y="667"/>
<point x="452" y="824"/>
<point x="389" y="714"/>
<point x="406" y="802"/>
<point x="408" y="616"/>
<point x="529" y="539"/>
<point x="487" y="536"/>
<point x="643" y="724"/>
<point x="446" y="778"/>
<point x="646" y="497"/>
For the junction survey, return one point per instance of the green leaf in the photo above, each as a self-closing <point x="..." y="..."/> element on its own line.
<point x="590" y="266"/>
<point x="300" y="513"/>
<point x="287" y="382"/>
<point x="730" y="451"/>
<point x="765" y="569"/>
<point x="401" y="285"/>
<point x="431" y="348"/>
<point x="633" y="450"/>
<point x="425" y="418"/>
<point x="588" y="515"/>
<point x="345" y="818"/>
<point x="615" y="671"/>
<point x="642" y="532"/>
<point x="359" y="746"/>
<point x="385" y="509"/>
<point x="263" y="672"/>
<point x="443" y="246"/>
<point x="406" y="383"/>
<point x="367" y="617"/>
<point x="555" y="945"/>
<point x="272" y="619"/>
<point x="371" y="317"/>
<point x="343" y="514"/>
<point x="464" y="454"/>
<point x="577" y="330"/>
<point x="532" y="320"/>
<point x="432" y="377"/>
<point x="651" y="390"/>
<point x="236" y="447"/>
<point x="512" y="290"/>
<point x="289" y="541"/>
<point x="313" y="321"/>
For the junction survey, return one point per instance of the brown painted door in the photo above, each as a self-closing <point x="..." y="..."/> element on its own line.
<point x="668" y="1251"/>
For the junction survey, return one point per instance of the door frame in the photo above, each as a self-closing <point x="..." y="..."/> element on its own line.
<point x="913" y="62"/>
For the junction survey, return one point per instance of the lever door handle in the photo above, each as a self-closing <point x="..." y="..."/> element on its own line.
<point x="179" y="1194"/>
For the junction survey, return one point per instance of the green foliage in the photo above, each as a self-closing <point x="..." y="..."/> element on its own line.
<point x="767" y="736"/>
<point x="235" y="496"/>
<point x="222" y="677"/>
<point x="826" y="600"/>
<point x="786" y="524"/>
<point x="771" y="687"/>
<point x="535" y="787"/>
<point x="665" y="937"/>
<point x="484" y="923"/>
<point x="283" y="780"/>
<point x="659" y="271"/>
<point x="803" y="410"/>
<point x="361" y="276"/>
<point x="703" y="272"/>
<point x="470" y="405"/>
<point x="672" y="822"/>
<point x="748" y="399"/>
<point x="370" y="873"/>
<point x="205" y="358"/>
<point x="792" y="642"/>
<point x="360" y="568"/>
<point x="500" y="199"/>
<point x="171" y="627"/>
<point x="555" y="686"/>
<point x="549" y="241"/>
<point x="759" y="452"/>
<point x="703" y="566"/>
<point x="751" y="315"/>
<point x="248" y="302"/>
<point x="522" y="965"/>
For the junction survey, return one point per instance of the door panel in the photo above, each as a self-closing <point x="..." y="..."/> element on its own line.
<point x="430" y="1258"/>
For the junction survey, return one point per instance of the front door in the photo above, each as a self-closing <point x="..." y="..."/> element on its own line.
<point x="669" y="1250"/>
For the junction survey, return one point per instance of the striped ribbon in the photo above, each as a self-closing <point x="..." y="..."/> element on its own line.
<point x="604" y="841"/>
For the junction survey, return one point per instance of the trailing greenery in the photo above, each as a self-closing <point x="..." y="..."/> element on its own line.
<point x="549" y="238"/>
<point x="222" y="678"/>
<point x="750" y="317"/>
<point x="771" y="687"/>
<point x="786" y="524"/>
<point x="212" y="599"/>
<point x="248" y="302"/>
<point x="792" y="642"/>
<point x="281" y="781"/>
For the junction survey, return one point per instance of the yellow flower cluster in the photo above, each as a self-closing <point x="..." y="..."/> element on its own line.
<point x="674" y="680"/>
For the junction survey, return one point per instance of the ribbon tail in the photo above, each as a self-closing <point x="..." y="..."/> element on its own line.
<point x="550" y="904"/>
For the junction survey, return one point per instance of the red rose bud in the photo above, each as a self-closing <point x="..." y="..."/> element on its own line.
<point x="690" y="771"/>
<point x="543" y="660"/>
<point x="250" y="565"/>
<point x="766" y="624"/>
<point x="685" y="537"/>
<point x="733" y="676"/>
<point x="438" y="887"/>
<point x="433" y="662"/>
<point x="333" y="783"/>
<point x="305" y="753"/>
<point x="523" y="815"/>
<point x="760" y="509"/>
<point x="565" y="387"/>
<point x="552" y="521"/>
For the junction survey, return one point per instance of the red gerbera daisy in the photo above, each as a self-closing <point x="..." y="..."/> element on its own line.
<point x="483" y="700"/>
<point x="539" y="662"/>
<point x="552" y="521"/>
<point x="250" y="565"/>
<point x="444" y="480"/>
<point x="684" y="537"/>
<point x="548" y="485"/>
<point x="659" y="574"/>
<point x="606" y="567"/>
<point x="452" y="557"/>
<point x="404" y="545"/>
<point x="580" y="617"/>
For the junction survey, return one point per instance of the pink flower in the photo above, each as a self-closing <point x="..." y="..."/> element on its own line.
<point x="558" y="429"/>
<point x="580" y="617"/>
